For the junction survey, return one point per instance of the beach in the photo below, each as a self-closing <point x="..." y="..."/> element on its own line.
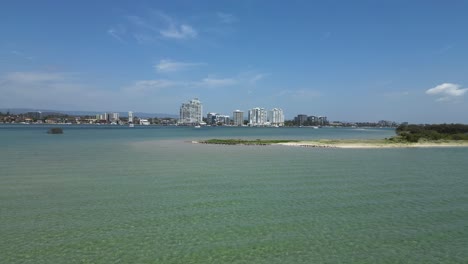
<point x="339" y="143"/>
<point x="372" y="144"/>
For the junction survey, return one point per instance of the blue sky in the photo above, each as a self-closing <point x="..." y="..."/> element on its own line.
<point x="348" y="60"/>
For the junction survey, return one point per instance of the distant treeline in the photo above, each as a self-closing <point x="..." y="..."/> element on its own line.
<point x="413" y="133"/>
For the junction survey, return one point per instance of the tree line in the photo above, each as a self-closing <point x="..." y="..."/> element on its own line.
<point x="413" y="133"/>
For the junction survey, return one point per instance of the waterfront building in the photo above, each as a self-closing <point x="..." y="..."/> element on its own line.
<point x="211" y="118"/>
<point x="386" y="123"/>
<point x="312" y="120"/>
<point x="217" y="119"/>
<point x="261" y="117"/>
<point x="223" y="119"/>
<point x="304" y="120"/>
<point x="257" y="117"/>
<point x="144" y="122"/>
<point x="300" y="119"/>
<point x="103" y="118"/>
<point x="276" y="117"/>
<point x="115" y="117"/>
<point x="130" y="117"/>
<point x="322" y="120"/>
<point x="238" y="117"/>
<point x="35" y="115"/>
<point x="191" y="113"/>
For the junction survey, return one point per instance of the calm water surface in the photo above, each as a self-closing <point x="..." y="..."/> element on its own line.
<point x="146" y="195"/>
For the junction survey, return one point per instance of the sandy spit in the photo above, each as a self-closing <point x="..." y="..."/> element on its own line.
<point x="374" y="145"/>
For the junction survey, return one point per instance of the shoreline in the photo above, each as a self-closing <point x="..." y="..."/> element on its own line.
<point x="373" y="146"/>
<point x="351" y="144"/>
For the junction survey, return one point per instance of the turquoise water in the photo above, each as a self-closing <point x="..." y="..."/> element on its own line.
<point x="146" y="195"/>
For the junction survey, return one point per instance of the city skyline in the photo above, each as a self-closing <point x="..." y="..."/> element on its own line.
<point x="351" y="61"/>
<point x="191" y="113"/>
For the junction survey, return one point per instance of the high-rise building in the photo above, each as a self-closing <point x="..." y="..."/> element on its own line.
<point x="191" y="112"/>
<point x="130" y="117"/>
<point x="238" y="117"/>
<point x="322" y="120"/>
<point x="115" y="117"/>
<point x="276" y="117"/>
<point x="257" y="117"/>
<point x="312" y="120"/>
<point x="35" y="115"/>
<point x="300" y="119"/>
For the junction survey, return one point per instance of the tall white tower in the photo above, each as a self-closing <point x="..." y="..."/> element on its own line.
<point x="130" y="117"/>
<point x="257" y="116"/>
<point x="191" y="112"/>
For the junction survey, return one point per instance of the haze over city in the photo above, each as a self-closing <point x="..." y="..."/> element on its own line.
<point x="348" y="60"/>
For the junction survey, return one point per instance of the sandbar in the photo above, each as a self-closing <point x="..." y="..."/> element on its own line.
<point x="374" y="144"/>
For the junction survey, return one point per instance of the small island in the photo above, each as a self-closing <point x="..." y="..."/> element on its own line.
<point x="407" y="136"/>
<point x="55" y="130"/>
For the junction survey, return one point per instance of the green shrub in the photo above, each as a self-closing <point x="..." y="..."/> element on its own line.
<point x="55" y="130"/>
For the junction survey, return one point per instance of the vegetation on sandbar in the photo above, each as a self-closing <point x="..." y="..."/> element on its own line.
<point x="406" y="135"/>
<point x="246" y="141"/>
<point x="55" y="130"/>
<point x="415" y="133"/>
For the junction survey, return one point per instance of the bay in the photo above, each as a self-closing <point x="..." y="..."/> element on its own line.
<point x="107" y="194"/>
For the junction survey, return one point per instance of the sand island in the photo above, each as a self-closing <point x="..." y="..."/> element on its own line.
<point x="407" y="136"/>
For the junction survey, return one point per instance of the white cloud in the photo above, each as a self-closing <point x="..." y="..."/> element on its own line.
<point x="21" y="54"/>
<point x="173" y="29"/>
<point x="33" y="77"/>
<point x="447" y="91"/>
<point x="145" y="38"/>
<point x="215" y="82"/>
<point x="140" y="22"/>
<point x="68" y="90"/>
<point x="179" y="32"/>
<point x="299" y="94"/>
<point x="117" y="32"/>
<point x="254" y="79"/>
<point x="226" y="18"/>
<point x="148" y="86"/>
<point x="46" y="90"/>
<point x="173" y="66"/>
<point x="144" y="86"/>
<point x="55" y="90"/>
<point x="149" y="29"/>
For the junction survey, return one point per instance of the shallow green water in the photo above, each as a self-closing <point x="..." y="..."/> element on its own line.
<point x="147" y="196"/>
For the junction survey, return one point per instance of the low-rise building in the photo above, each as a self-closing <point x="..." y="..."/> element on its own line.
<point x="217" y="119"/>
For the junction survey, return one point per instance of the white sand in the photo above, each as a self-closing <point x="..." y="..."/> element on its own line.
<point x="365" y="145"/>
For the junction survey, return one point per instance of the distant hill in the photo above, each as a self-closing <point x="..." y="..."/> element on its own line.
<point x="82" y="113"/>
